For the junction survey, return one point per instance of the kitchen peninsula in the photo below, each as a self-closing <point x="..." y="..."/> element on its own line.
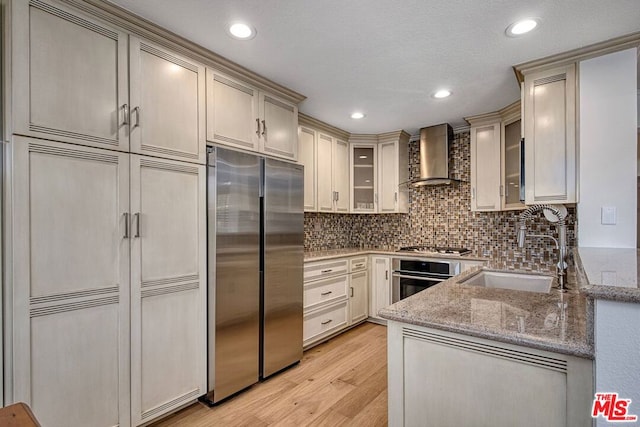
<point x="476" y="348"/>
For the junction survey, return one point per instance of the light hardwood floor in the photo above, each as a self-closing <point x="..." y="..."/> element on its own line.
<point x="342" y="382"/>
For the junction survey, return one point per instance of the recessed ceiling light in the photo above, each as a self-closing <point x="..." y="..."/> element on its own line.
<point x="522" y="27"/>
<point x="357" y="115"/>
<point x="242" y="31"/>
<point x="443" y="93"/>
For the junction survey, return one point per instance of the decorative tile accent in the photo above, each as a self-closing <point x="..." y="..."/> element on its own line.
<point x="441" y="216"/>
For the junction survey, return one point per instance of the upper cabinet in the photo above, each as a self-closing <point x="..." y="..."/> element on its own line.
<point x="239" y="115"/>
<point x="70" y="77"/>
<point x="167" y="103"/>
<point x="78" y="80"/>
<point x="379" y="167"/>
<point x="324" y="152"/>
<point x="495" y="160"/>
<point x="549" y="113"/>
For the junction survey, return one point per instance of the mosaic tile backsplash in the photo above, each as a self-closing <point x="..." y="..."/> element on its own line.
<point x="441" y="216"/>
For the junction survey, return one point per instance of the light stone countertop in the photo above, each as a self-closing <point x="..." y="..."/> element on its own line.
<point x="346" y="252"/>
<point x="523" y="318"/>
<point x="609" y="273"/>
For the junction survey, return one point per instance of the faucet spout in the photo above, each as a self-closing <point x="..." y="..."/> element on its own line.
<point x="561" y="243"/>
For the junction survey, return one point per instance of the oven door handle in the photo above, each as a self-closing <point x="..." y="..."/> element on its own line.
<point x="432" y="279"/>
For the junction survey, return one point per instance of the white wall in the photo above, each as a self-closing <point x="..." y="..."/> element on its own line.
<point x="617" y="345"/>
<point x="608" y="138"/>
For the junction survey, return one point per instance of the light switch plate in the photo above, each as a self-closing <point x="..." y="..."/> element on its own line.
<point x="609" y="215"/>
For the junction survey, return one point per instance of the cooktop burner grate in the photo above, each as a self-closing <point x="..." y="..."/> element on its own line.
<point x="435" y="249"/>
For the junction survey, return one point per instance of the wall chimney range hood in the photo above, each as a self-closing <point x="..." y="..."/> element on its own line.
<point x="435" y="158"/>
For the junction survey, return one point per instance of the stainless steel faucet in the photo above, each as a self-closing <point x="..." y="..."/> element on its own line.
<point x="561" y="243"/>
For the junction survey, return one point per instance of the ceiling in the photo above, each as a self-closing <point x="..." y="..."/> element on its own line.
<point x="387" y="57"/>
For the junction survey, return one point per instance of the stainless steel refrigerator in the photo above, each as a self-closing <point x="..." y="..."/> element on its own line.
<point x="255" y="246"/>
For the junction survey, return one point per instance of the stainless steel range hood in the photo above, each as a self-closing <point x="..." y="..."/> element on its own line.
<point x="435" y="158"/>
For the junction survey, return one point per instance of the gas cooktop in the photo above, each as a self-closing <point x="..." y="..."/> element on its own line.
<point x="435" y="250"/>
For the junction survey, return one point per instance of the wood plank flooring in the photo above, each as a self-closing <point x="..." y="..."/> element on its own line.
<point x="342" y="382"/>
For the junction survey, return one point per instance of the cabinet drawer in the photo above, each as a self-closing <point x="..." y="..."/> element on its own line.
<point x="325" y="321"/>
<point x="358" y="264"/>
<point x="321" y="269"/>
<point x="322" y="292"/>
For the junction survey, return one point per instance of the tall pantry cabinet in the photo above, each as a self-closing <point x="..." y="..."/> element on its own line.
<point x="108" y="205"/>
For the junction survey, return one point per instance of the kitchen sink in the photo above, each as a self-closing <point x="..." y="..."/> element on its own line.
<point x="511" y="280"/>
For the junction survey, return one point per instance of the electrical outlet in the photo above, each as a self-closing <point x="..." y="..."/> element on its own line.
<point x="608" y="215"/>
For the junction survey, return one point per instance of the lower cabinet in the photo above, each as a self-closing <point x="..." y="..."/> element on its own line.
<point x="474" y="381"/>
<point x="380" y="286"/>
<point x="108" y="284"/>
<point x="335" y="296"/>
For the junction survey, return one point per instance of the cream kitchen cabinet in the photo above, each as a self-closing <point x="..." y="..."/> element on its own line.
<point x="380" y="291"/>
<point x="241" y="116"/>
<point x="495" y="160"/>
<point x="168" y="281"/>
<point x="379" y="165"/>
<point x="549" y="114"/>
<point x="358" y="290"/>
<point x="541" y="388"/>
<point x="107" y="303"/>
<point x="329" y="167"/>
<point x="70" y="286"/>
<point x="69" y="75"/>
<point x="167" y="96"/>
<point x="79" y="80"/>
<point x="308" y="154"/>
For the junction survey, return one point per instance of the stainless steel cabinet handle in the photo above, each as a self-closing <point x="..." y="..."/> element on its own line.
<point x="351" y="291"/>
<point x="326" y="293"/>
<point x="326" y="322"/>
<point x="137" y="219"/>
<point x="126" y="225"/>
<point x="125" y="114"/>
<point x="137" y="111"/>
<point x="258" y="127"/>
<point x="376" y="197"/>
<point x="473" y="193"/>
<point x="386" y="275"/>
<point x="327" y="271"/>
<point x="358" y="265"/>
<point x="395" y="196"/>
<point x="337" y="196"/>
<point x="264" y="128"/>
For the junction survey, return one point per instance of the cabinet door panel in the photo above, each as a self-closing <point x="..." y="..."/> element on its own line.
<point x="341" y="174"/>
<point x="358" y="302"/>
<point x="168" y="334"/>
<point x="388" y="173"/>
<point x="485" y="168"/>
<point x="167" y="103"/>
<point x="279" y="128"/>
<point x="232" y="111"/>
<point x="325" y="173"/>
<point x="380" y="285"/>
<point x="550" y="145"/>
<point x="70" y="76"/>
<point x="307" y="138"/>
<point x="71" y="276"/>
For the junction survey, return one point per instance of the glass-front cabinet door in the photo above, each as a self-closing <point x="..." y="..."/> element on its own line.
<point x="363" y="185"/>
<point x="511" y="154"/>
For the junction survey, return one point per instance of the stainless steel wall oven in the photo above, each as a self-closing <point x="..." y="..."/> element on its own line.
<point x="411" y="275"/>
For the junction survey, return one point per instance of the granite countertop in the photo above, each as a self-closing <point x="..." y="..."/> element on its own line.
<point x="609" y="273"/>
<point x="524" y="318"/>
<point x="340" y="253"/>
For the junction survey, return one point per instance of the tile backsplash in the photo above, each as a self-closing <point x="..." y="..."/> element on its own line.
<point x="440" y="215"/>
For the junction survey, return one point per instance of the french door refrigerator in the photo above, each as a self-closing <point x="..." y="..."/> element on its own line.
<point x="255" y="247"/>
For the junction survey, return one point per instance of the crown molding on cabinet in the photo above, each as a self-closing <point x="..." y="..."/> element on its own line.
<point x="508" y="112"/>
<point x="397" y="135"/>
<point x="575" y="55"/>
<point x="141" y="27"/>
<point x="305" y="120"/>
